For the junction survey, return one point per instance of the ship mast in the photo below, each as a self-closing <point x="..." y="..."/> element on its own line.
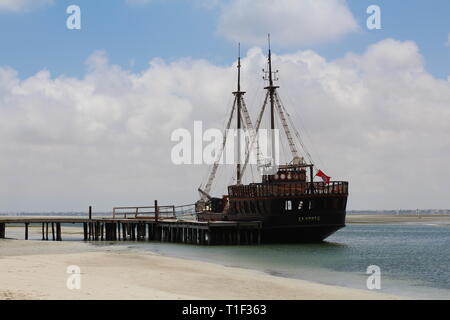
<point x="238" y="96"/>
<point x="243" y="118"/>
<point x="276" y="107"/>
<point x="271" y="89"/>
<point x="272" y="92"/>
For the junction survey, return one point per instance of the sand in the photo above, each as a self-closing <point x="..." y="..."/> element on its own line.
<point x="37" y="270"/>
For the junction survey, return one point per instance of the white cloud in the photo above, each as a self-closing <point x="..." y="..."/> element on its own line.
<point x="291" y="22"/>
<point x="22" y="5"/>
<point x="378" y="120"/>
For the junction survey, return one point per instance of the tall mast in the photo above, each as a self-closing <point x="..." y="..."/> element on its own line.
<point x="238" y="99"/>
<point x="271" y="89"/>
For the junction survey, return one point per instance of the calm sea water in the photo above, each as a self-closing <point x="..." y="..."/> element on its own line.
<point x="414" y="258"/>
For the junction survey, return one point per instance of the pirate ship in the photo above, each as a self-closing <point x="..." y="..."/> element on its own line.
<point x="290" y="204"/>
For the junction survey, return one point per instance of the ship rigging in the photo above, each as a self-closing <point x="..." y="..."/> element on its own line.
<point x="291" y="205"/>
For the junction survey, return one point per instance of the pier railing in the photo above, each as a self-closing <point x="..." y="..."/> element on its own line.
<point x="289" y="189"/>
<point x="155" y="212"/>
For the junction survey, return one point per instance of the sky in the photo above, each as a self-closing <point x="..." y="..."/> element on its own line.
<point x="86" y="116"/>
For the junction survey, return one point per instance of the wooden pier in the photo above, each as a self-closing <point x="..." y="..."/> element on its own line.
<point x="143" y="224"/>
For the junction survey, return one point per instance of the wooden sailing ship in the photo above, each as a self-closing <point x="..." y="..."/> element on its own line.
<point x="290" y="204"/>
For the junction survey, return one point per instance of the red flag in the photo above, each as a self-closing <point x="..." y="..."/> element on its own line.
<point x="324" y="177"/>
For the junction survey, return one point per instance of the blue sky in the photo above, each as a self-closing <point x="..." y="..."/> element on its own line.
<point x="133" y="34"/>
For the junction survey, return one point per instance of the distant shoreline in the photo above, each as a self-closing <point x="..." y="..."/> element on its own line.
<point x="388" y="218"/>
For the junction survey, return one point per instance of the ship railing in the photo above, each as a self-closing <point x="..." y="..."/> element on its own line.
<point x="185" y="210"/>
<point x="289" y="189"/>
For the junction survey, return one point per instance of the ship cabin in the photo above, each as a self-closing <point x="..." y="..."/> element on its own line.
<point x="286" y="174"/>
<point x="287" y="190"/>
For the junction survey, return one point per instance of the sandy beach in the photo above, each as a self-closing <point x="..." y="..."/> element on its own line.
<point x="38" y="270"/>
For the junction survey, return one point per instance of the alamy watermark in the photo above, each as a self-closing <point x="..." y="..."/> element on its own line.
<point x="374" y="280"/>
<point x="73" y="22"/>
<point x="207" y="146"/>
<point x="74" y="279"/>
<point x="374" y="20"/>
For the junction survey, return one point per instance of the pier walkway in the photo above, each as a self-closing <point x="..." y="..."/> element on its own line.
<point x="142" y="224"/>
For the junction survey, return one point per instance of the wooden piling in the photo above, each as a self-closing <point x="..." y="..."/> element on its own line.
<point x="124" y="231"/>
<point x="53" y="231"/>
<point x="156" y="211"/>
<point x="26" y="231"/>
<point x="94" y="233"/>
<point x="46" y="231"/>
<point x="58" y="232"/>
<point x="107" y="232"/>
<point x="139" y="231"/>
<point x="133" y="232"/>
<point x="2" y="230"/>
<point x="85" y="232"/>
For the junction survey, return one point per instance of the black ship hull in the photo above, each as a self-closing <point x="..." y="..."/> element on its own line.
<point x="288" y="219"/>
<point x="301" y="229"/>
<point x="298" y="234"/>
<point x="312" y="227"/>
<point x="296" y="226"/>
